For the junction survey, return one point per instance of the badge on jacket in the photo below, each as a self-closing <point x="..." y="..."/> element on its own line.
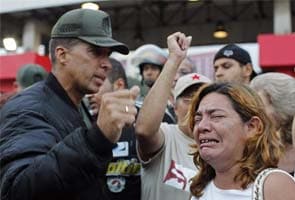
<point x="121" y="150"/>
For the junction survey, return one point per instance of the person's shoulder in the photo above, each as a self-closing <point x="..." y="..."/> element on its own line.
<point x="278" y="176"/>
<point x="278" y="184"/>
<point x="25" y="100"/>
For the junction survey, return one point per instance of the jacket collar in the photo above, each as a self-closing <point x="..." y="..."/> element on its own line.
<point x="56" y="87"/>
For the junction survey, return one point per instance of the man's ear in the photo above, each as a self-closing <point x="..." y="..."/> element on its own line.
<point x="248" y="69"/>
<point x="119" y="84"/>
<point x="254" y="126"/>
<point x="60" y="54"/>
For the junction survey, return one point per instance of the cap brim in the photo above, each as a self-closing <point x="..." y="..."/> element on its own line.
<point x="107" y="42"/>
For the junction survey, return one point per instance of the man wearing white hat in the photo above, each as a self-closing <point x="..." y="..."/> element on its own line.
<point x="164" y="148"/>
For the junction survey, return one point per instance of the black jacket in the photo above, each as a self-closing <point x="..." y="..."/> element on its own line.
<point x="46" y="150"/>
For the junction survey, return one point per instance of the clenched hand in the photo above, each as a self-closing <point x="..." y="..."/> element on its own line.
<point x="117" y="110"/>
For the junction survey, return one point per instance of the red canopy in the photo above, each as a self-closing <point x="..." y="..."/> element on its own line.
<point x="277" y="52"/>
<point x="9" y="65"/>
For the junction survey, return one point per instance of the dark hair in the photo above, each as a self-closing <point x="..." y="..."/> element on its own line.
<point x="65" y="42"/>
<point x="141" y="66"/>
<point x="117" y="72"/>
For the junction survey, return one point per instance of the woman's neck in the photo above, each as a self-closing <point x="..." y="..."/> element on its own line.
<point x="224" y="178"/>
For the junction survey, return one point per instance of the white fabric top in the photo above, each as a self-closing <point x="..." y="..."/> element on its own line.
<point x="211" y="192"/>
<point x="167" y="175"/>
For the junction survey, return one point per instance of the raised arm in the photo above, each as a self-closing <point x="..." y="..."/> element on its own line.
<point x="150" y="138"/>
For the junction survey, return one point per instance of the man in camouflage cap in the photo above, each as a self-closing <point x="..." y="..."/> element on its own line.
<point x="47" y="152"/>
<point x="29" y="74"/>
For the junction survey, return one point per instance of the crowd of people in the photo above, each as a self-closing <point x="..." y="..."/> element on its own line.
<point x="80" y="132"/>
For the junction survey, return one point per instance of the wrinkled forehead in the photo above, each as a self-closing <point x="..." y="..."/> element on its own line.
<point x="214" y="101"/>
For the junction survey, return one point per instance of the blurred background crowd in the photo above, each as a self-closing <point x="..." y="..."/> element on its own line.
<point x="264" y="28"/>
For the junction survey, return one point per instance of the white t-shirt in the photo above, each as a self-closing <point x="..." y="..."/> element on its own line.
<point x="167" y="175"/>
<point x="211" y="192"/>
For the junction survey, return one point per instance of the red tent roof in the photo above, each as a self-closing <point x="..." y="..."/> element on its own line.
<point x="277" y="52"/>
<point x="9" y="65"/>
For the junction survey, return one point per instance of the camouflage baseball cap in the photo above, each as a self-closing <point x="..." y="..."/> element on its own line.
<point x="29" y="74"/>
<point x="91" y="26"/>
